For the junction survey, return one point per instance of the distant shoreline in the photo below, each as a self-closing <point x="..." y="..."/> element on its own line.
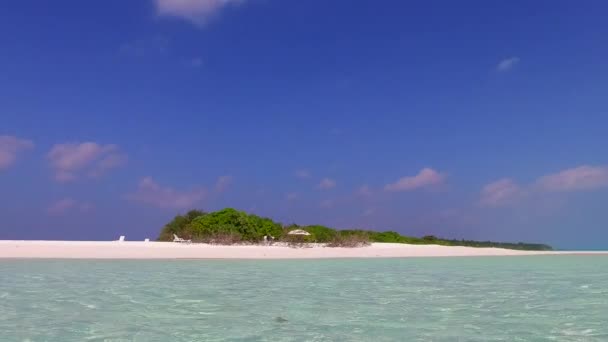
<point x="136" y="250"/>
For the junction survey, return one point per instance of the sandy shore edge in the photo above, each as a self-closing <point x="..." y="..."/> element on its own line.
<point x="168" y="250"/>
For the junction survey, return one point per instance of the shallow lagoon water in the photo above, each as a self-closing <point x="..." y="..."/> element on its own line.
<point x="540" y="298"/>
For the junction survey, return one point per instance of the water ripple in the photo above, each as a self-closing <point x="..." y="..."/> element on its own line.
<point x="442" y="299"/>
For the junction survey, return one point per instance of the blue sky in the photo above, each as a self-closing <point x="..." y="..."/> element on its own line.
<point x="470" y="120"/>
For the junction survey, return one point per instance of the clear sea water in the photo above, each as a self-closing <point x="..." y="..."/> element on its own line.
<point x="556" y="298"/>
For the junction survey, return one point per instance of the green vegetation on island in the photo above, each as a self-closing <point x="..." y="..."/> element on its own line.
<point x="230" y="226"/>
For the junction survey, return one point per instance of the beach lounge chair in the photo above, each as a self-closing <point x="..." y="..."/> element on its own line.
<point x="178" y="239"/>
<point x="121" y="238"/>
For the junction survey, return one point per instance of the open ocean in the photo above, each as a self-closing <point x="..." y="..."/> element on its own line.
<point x="540" y="298"/>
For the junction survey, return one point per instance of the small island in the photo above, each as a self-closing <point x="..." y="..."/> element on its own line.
<point x="231" y="227"/>
<point x="234" y="234"/>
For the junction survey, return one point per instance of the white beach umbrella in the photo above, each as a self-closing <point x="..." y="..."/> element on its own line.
<point x="299" y="232"/>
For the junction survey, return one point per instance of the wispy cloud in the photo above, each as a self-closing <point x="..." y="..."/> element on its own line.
<point x="223" y="183"/>
<point x="151" y="193"/>
<point x="326" y="204"/>
<point x="425" y="178"/>
<point x="302" y="174"/>
<point x="507" y="64"/>
<point x="507" y="191"/>
<point x="63" y="206"/>
<point x="198" y="12"/>
<point x="501" y="192"/>
<point x="585" y="177"/>
<point x="10" y="147"/>
<point x="71" y="160"/>
<point x="292" y="196"/>
<point x="326" y="184"/>
<point x="364" y="190"/>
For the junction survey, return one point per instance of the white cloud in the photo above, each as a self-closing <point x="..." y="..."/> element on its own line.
<point x="506" y="191"/>
<point x="507" y="64"/>
<point x="223" y="183"/>
<point x="197" y="12"/>
<point x="10" y="147"/>
<point x="501" y="192"/>
<point x="302" y="174"/>
<point x="65" y="205"/>
<point x="364" y="190"/>
<point x="426" y="177"/>
<point x="292" y="196"/>
<point x="326" y="183"/>
<point x="151" y="193"/>
<point x="72" y="160"/>
<point x="584" y="177"/>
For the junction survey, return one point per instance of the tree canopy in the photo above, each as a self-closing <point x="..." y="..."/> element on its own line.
<point x="232" y="225"/>
<point x="230" y="221"/>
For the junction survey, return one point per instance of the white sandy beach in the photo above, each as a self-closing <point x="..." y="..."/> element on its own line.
<point x="168" y="250"/>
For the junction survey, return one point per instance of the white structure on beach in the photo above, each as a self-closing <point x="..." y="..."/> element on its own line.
<point x="299" y="232"/>
<point x="178" y="239"/>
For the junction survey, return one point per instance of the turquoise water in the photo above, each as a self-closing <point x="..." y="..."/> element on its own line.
<point x="557" y="298"/>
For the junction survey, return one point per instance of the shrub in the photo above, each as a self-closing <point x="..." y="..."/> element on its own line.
<point x="222" y="238"/>
<point x="321" y="234"/>
<point x="350" y="240"/>
<point x="230" y="226"/>
<point x="297" y="241"/>
<point x="180" y="225"/>
<point x="250" y="228"/>
<point x="388" y="237"/>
